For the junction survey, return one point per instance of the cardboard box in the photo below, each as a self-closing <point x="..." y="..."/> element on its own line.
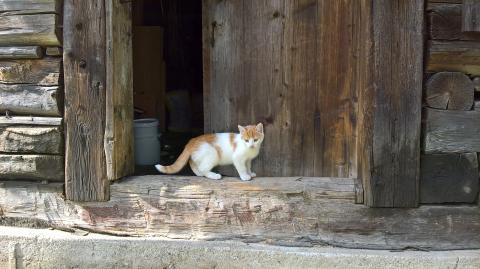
<point x="149" y="78"/>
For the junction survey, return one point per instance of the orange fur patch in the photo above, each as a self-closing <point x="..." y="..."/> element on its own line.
<point x="232" y="141"/>
<point x="251" y="132"/>
<point x="210" y="139"/>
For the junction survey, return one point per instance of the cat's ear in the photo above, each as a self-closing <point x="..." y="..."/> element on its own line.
<point x="241" y="128"/>
<point x="259" y="128"/>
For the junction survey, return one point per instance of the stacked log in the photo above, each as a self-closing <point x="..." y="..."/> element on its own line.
<point x="31" y="91"/>
<point x="451" y="114"/>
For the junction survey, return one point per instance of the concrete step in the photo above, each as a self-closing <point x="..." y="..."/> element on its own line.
<point x="38" y="248"/>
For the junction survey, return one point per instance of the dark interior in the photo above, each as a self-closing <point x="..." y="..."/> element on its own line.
<point x="167" y="63"/>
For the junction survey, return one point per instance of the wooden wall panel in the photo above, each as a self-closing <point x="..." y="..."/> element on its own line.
<point x="85" y="102"/>
<point x="290" y="65"/>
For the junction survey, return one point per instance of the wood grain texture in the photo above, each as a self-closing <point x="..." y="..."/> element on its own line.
<point x="31" y="29"/>
<point x="39" y="72"/>
<point x="85" y="78"/>
<point x="273" y="69"/>
<point x="31" y="139"/>
<point x="119" y="147"/>
<point x="25" y="52"/>
<point x="16" y="7"/>
<point x="445" y="22"/>
<point x="24" y="120"/>
<point x="364" y="80"/>
<point x="449" y="90"/>
<point x="31" y="167"/>
<point x="451" y="131"/>
<point x="471" y="16"/>
<point x="393" y="149"/>
<point x="27" y="99"/>
<point x="449" y="178"/>
<point x="460" y="56"/>
<point x="279" y="211"/>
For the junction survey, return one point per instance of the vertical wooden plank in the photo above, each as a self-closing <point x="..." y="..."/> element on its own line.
<point x="391" y="174"/>
<point x="85" y="78"/>
<point x="336" y="93"/>
<point x="223" y="67"/>
<point x="264" y="92"/>
<point x="119" y="147"/>
<point x="364" y="84"/>
<point x="471" y="16"/>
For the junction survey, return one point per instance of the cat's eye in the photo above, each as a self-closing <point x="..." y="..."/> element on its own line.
<point x="246" y="140"/>
<point x="255" y="140"/>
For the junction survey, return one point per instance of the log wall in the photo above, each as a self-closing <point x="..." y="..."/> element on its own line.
<point x="31" y="90"/>
<point x="451" y="114"/>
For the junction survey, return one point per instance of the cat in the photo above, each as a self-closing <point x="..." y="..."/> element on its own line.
<point x="210" y="150"/>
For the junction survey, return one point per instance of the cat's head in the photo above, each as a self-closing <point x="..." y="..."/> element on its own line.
<point x="252" y="135"/>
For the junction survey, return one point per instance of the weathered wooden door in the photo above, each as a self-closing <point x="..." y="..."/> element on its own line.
<point x="290" y="65"/>
<point x="98" y="96"/>
<point x="337" y="84"/>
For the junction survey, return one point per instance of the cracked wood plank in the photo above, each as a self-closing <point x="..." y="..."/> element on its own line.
<point x="31" y="167"/>
<point x="31" y="139"/>
<point x="279" y="211"/>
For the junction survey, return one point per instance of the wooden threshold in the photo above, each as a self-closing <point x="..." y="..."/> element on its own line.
<point x="280" y="211"/>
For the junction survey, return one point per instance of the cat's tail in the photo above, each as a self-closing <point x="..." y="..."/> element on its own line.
<point x="177" y="165"/>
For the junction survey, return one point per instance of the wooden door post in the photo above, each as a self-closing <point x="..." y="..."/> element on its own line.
<point x="390" y="104"/>
<point x="85" y="101"/>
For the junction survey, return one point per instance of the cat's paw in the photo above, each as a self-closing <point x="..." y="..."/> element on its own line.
<point x="252" y="174"/>
<point x="212" y="175"/>
<point x="245" y="177"/>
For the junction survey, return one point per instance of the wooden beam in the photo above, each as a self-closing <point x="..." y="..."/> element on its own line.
<point x="30" y="99"/>
<point x="31" y="29"/>
<point x="85" y="78"/>
<point x="445" y="22"/>
<point x="15" y="7"/>
<point x="471" y="16"/>
<point x="451" y="131"/>
<point x="24" y="120"/>
<point x="31" y="139"/>
<point x="119" y="147"/>
<point x="449" y="90"/>
<point x="460" y="56"/>
<point x="280" y="211"/>
<point x="31" y="167"/>
<point x="39" y="72"/>
<point x="449" y="178"/>
<point x="390" y="161"/>
<point x="26" y="52"/>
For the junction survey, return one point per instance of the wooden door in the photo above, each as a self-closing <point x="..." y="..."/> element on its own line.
<point x="290" y="65"/>
<point x="98" y="96"/>
<point x="337" y="84"/>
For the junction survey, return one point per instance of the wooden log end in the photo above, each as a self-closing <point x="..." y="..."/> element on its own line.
<point x="450" y="90"/>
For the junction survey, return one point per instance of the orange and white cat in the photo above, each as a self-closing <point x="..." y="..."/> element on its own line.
<point x="208" y="151"/>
